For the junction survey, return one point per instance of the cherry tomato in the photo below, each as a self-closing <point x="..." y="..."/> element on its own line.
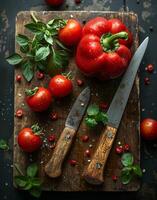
<point x="28" y="140"/>
<point x="60" y="86"/>
<point x="54" y="2"/>
<point x="71" y="34"/>
<point x="38" y="99"/>
<point x="149" y="129"/>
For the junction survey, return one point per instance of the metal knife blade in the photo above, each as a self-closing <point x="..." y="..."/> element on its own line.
<point x="120" y="99"/>
<point x="78" y="109"/>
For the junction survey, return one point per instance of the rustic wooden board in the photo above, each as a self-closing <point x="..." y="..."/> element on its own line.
<point x="71" y="179"/>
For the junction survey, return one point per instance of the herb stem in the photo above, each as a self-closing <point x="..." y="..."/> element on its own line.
<point x="33" y="17"/>
<point x="18" y="169"/>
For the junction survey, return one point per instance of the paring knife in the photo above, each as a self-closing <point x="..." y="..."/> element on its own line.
<point x="94" y="172"/>
<point x="54" y="166"/>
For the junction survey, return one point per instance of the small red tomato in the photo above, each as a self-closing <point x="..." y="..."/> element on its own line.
<point x="60" y="86"/>
<point x="87" y="153"/>
<point x="146" y="81"/>
<point x="19" y="113"/>
<point x="72" y="162"/>
<point x="18" y="78"/>
<point x="51" y="138"/>
<point x="71" y="34"/>
<point x="150" y="68"/>
<point x="119" y="150"/>
<point x="28" y="140"/>
<point x="84" y="138"/>
<point x="40" y="75"/>
<point x="80" y="82"/>
<point x="54" y="2"/>
<point x="54" y="116"/>
<point x="126" y="147"/>
<point x="103" y="105"/>
<point x="114" y="178"/>
<point x="38" y="99"/>
<point x="149" y="129"/>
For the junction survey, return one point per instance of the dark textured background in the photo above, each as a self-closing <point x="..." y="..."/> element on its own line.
<point x="147" y="12"/>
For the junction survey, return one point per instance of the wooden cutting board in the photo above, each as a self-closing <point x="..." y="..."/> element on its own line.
<point x="71" y="179"/>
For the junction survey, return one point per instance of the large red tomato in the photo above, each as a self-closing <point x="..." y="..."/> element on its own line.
<point x="38" y="99"/>
<point x="28" y="140"/>
<point x="149" y="129"/>
<point x="60" y="86"/>
<point x="71" y="34"/>
<point x="54" y="2"/>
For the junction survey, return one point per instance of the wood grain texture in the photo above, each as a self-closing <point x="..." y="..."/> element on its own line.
<point x="94" y="173"/>
<point x="71" y="179"/>
<point x="54" y="166"/>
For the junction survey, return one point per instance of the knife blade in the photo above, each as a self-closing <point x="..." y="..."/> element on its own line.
<point x="94" y="172"/>
<point x="54" y="167"/>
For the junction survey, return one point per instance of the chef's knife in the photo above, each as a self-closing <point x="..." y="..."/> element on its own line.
<point x="94" y="171"/>
<point x="54" y="166"/>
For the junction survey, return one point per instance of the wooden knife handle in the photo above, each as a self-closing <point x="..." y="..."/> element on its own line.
<point x="54" y="166"/>
<point x="93" y="174"/>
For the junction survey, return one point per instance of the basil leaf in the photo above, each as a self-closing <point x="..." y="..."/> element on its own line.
<point x="41" y="66"/>
<point x="28" y="186"/>
<point x="3" y="145"/>
<point x="137" y="170"/>
<point x="22" y="40"/>
<point x="32" y="170"/>
<point x="48" y="39"/>
<point x="14" y="59"/>
<point x="126" y="176"/>
<point x="42" y="53"/>
<point x="27" y="70"/>
<point x="90" y="122"/>
<point x="127" y="159"/>
<point x="36" y="182"/>
<point x="102" y="117"/>
<point x="93" y="110"/>
<point x="61" y="45"/>
<point x="35" y="28"/>
<point x="35" y="192"/>
<point x="60" y="58"/>
<point x="21" y="181"/>
<point x="24" y="49"/>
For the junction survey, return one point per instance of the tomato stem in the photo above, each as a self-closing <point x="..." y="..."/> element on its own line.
<point x="36" y="129"/>
<point x="110" y="42"/>
<point x="32" y="92"/>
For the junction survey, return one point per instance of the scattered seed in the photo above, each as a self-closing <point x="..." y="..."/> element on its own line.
<point x="151" y="28"/>
<point x="87" y="153"/>
<point x="19" y="113"/>
<point x="82" y="104"/>
<point x="79" y="82"/>
<point x="89" y="160"/>
<point x="149" y="68"/>
<point x="84" y="138"/>
<point x="114" y="178"/>
<point x="119" y="150"/>
<point x="119" y="143"/>
<point x="19" y="94"/>
<point x="39" y="75"/>
<point x="90" y="146"/>
<point x="143" y="170"/>
<point x="51" y="138"/>
<point x="72" y="162"/>
<point x="54" y="116"/>
<point x="146" y="81"/>
<point x="18" y="78"/>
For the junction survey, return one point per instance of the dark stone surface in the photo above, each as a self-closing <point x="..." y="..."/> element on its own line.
<point x="146" y="10"/>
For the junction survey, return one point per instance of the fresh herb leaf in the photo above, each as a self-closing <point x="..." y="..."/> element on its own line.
<point x="48" y="39"/>
<point x="36" y="28"/>
<point x="27" y="70"/>
<point x="21" y="181"/>
<point x="41" y="66"/>
<point x="28" y="185"/>
<point x="14" y="59"/>
<point x="60" y="58"/>
<point x="42" y="53"/>
<point x="22" y="40"/>
<point x="3" y="145"/>
<point x="35" y="192"/>
<point x="91" y="122"/>
<point x="102" y="117"/>
<point x="36" y="182"/>
<point x="32" y="170"/>
<point x="93" y="110"/>
<point x="127" y="159"/>
<point x="137" y="170"/>
<point x="126" y="176"/>
<point x="24" y="49"/>
<point x="61" y="45"/>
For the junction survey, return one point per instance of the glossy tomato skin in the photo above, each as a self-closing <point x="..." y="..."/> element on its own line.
<point x="40" y="101"/>
<point x="54" y="2"/>
<point x="71" y="34"/>
<point x="28" y="141"/>
<point x="149" y="129"/>
<point x="60" y="86"/>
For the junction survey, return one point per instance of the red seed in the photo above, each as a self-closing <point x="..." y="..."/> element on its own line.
<point x="84" y="138"/>
<point x="87" y="153"/>
<point x="103" y="105"/>
<point x="146" y="81"/>
<point x="51" y="138"/>
<point x="126" y="147"/>
<point x="18" y="78"/>
<point x="79" y="82"/>
<point x="77" y="1"/>
<point x="53" y="146"/>
<point x="72" y="162"/>
<point x="150" y="68"/>
<point x="54" y="116"/>
<point x="40" y="75"/>
<point x="114" y="178"/>
<point x="119" y="150"/>
<point x="19" y="113"/>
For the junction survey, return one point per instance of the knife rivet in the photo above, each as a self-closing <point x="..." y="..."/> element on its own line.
<point x="89" y="160"/>
<point x="98" y="165"/>
<point x="67" y="137"/>
<point x="110" y="135"/>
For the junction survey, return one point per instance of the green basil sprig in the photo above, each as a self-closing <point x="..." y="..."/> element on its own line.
<point x="3" y="145"/>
